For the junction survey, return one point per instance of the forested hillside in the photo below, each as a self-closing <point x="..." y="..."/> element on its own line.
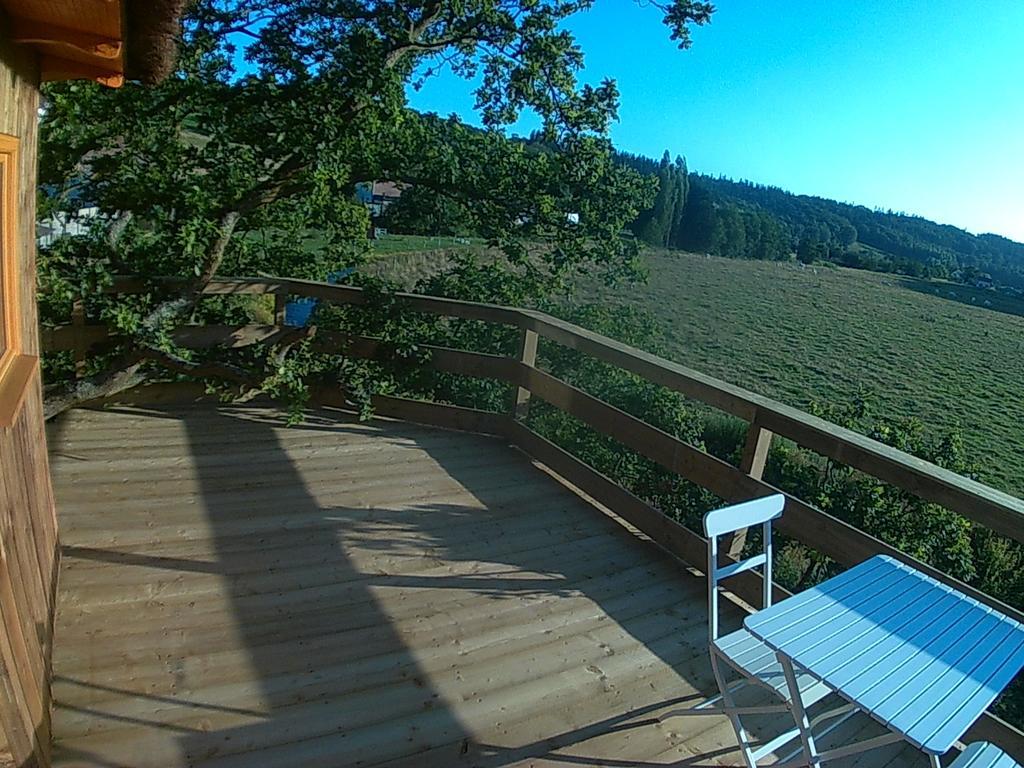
<point x="741" y="219"/>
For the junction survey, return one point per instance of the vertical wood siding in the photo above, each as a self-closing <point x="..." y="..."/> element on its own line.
<point x="28" y="528"/>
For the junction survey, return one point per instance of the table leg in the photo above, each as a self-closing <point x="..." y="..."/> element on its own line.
<point x="799" y="713"/>
<point x="933" y="761"/>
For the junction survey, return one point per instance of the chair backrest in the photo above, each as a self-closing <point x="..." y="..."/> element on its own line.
<point x="720" y="522"/>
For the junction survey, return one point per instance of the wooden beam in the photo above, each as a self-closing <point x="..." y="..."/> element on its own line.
<point x="660" y="447"/>
<point x="477" y="365"/>
<point x="421" y="412"/>
<point x="53" y="68"/>
<point x="280" y="304"/>
<point x="755" y="450"/>
<point x="17" y="382"/>
<point x="338" y="294"/>
<point x="474" y="364"/>
<point x="993" y="509"/>
<point x="80" y="345"/>
<point x="66" y="337"/>
<point x="74" y="40"/>
<point x="687" y="381"/>
<point x="227" y="336"/>
<point x="436" y="305"/>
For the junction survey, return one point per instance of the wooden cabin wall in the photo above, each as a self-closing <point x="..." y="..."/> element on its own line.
<point x="28" y="527"/>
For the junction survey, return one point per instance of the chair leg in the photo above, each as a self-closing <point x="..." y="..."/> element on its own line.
<point x="730" y="709"/>
<point x="799" y="713"/>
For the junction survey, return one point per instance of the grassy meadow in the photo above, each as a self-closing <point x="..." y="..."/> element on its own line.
<point x="389" y="243"/>
<point x="924" y="349"/>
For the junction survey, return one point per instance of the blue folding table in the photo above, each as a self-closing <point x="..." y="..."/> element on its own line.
<point x="916" y="655"/>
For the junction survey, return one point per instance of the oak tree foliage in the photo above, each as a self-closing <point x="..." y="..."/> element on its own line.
<point x="245" y="162"/>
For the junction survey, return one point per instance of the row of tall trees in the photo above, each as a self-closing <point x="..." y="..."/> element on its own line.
<point x="661" y="225"/>
<point x="688" y="215"/>
<point x="727" y="229"/>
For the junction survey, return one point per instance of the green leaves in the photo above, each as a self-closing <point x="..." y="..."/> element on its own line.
<point x="247" y="161"/>
<point x="680" y="15"/>
<point x="926" y="531"/>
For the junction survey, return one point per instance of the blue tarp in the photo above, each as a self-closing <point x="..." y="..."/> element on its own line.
<point x="297" y="312"/>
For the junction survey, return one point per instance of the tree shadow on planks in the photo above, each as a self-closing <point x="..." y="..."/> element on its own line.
<point x="447" y="591"/>
<point x="337" y="683"/>
<point x="387" y="594"/>
<point x="238" y="629"/>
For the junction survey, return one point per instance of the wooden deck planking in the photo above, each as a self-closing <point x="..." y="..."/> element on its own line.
<point x="234" y="592"/>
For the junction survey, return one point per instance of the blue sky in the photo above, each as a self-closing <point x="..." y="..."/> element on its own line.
<point x="914" y="105"/>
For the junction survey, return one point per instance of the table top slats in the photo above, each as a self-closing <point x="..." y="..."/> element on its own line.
<point x="973" y="694"/>
<point x="746" y="650"/>
<point x="914" y="683"/>
<point x="922" y="658"/>
<point x="908" y="671"/>
<point x="841" y="634"/>
<point x="861" y="664"/>
<point x="800" y="607"/>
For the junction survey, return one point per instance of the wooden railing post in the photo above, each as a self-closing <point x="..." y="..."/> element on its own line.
<point x="78" y="321"/>
<point x="527" y="356"/>
<point x="280" y="302"/>
<point x="752" y="462"/>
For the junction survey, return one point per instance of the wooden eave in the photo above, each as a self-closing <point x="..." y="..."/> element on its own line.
<point x="75" y="39"/>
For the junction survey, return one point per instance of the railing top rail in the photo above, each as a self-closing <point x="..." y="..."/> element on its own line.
<point x="993" y="508"/>
<point x="997" y="510"/>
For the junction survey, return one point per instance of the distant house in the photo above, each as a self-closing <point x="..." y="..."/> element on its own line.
<point x="378" y="196"/>
<point x="984" y="281"/>
<point x="51" y="229"/>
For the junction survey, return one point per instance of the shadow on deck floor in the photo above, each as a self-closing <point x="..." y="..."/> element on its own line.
<point x="237" y="593"/>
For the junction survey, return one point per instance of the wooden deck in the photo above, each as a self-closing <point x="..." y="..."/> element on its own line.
<point x="237" y="593"/>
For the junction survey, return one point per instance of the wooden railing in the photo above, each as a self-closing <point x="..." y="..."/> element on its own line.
<point x="986" y="506"/>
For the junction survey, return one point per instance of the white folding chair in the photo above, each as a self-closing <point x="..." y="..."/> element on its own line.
<point x="740" y="650"/>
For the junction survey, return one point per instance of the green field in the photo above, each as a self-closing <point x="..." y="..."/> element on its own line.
<point x="802" y="335"/>
<point x="418" y="243"/>
<point x="406" y="259"/>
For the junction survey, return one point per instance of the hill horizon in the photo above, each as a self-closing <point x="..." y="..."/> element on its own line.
<point x="744" y="219"/>
<point x="856" y="204"/>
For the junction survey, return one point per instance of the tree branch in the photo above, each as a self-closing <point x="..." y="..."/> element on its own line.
<point x="228" y="222"/>
<point x="117" y="227"/>
<point x="202" y="370"/>
<point x="289" y="340"/>
<point x="121" y="376"/>
<point x="128" y="373"/>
